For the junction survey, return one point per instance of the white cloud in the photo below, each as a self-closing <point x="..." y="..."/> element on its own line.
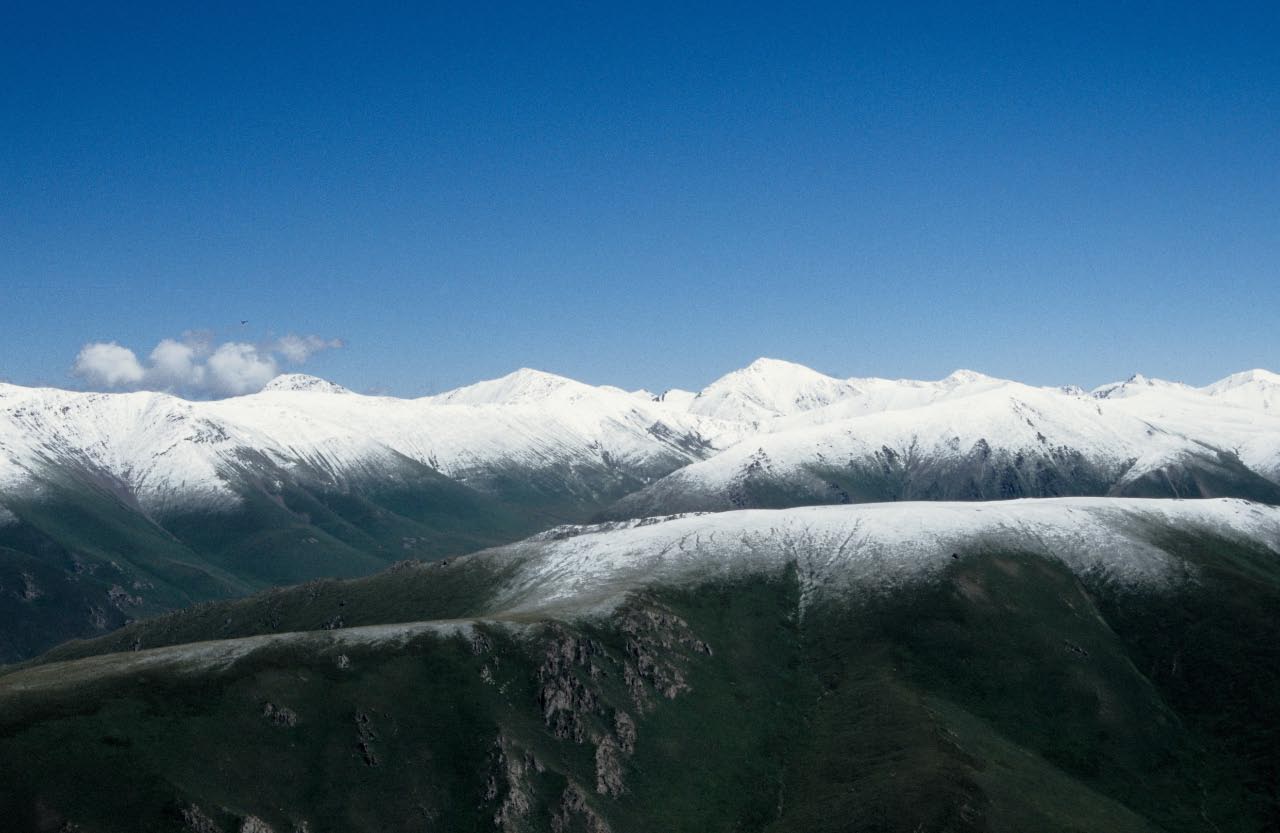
<point x="297" y="349"/>
<point x="195" y="365"/>
<point x="107" y="364"/>
<point x="236" y="368"/>
<point x="174" y="364"/>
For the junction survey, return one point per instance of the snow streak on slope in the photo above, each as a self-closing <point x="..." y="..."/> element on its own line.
<point x="575" y="570"/>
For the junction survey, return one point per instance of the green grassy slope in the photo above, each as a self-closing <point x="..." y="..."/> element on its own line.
<point x="82" y="560"/>
<point x="1004" y="695"/>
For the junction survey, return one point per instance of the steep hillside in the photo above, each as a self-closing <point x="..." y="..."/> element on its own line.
<point x="1050" y="665"/>
<point x="78" y="556"/>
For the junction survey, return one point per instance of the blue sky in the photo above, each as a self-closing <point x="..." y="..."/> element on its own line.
<point x="646" y="196"/>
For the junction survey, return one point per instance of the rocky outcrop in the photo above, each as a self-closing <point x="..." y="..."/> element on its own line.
<point x="365" y="736"/>
<point x="122" y="598"/>
<point x="574" y="806"/>
<point x="30" y="590"/>
<point x="195" y="820"/>
<point x="253" y="824"/>
<point x="509" y="781"/>
<point x="657" y="643"/>
<point x="609" y="767"/>
<point x="655" y="638"/>
<point x="565" y="699"/>
<point x="279" y="715"/>
<point x="624" y="728"/>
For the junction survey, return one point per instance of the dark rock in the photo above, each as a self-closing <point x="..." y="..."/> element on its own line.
<point x="573" y="804"/>
<point x="280" y="715"/>
<point x="194" y="820"/>
<point x="609" y="767"/>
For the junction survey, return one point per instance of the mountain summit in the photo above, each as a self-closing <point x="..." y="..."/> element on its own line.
<point x="297" y="382"/>
<point x="769" y="388"/>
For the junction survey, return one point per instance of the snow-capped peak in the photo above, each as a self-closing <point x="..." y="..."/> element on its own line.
<point x="965" y="377"/>
<point x="523" y="386"/>
<point x="1134" y="385"/>
<point x="766" y="366"/>
<point x="768" y="388"/>
<point x="1255" y="388"/>
<point x="1257" y="376"/>
<point x="303" y="382"/>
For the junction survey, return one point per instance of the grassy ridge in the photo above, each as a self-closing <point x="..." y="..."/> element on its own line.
<point x="1005" y="695"/>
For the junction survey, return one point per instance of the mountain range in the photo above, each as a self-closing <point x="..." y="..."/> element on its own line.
<point x="530" y="605"/>
<point x="115" y="506"/>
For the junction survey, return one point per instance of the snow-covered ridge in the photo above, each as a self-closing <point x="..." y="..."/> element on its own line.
<point x="170" y="452"/>
<point x="1136" y="385"/>
<point x="1115" y="442"/>
<point x="837" y="552"/>
<point x="840" y="548"/>
<point x="524" y="386"/>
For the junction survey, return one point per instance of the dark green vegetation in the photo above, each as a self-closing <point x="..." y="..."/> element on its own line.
<point x="1006" y="694"/>
<point x="83" y="559"/>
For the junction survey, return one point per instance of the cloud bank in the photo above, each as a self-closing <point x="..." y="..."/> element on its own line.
<point x="194" y="364"/>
